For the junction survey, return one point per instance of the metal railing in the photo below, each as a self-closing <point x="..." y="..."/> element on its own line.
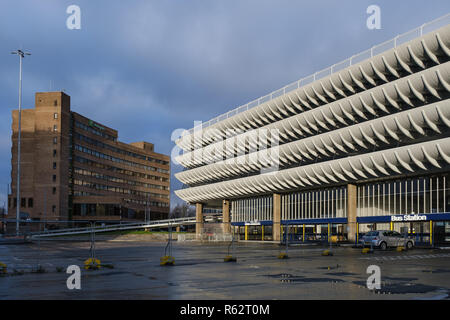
<point x="112" y="227"/>
<point x="375" y="50"/>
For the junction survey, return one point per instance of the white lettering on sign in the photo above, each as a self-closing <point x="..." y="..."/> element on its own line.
<point x="406" y="217"/>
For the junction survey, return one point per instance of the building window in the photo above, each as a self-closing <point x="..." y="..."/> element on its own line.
<point x="55" y="140"/>
<point x="55" y="116"/>
<point x="23" y="202"/>
<point x="54" y="190"/>
<point x="54" y="165"/>
<point x="55" y="128"/>
<point x="9" y="202"/>
<point x="54" y="178"/>
<point x="55" y="103"/>
<point x="30" y="202"/>
<point x="53" y="208"/>
<point x="54" y="152"/>
<point x="15" y="202"/>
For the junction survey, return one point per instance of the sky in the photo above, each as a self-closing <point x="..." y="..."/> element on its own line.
<point x="149" y="67"/>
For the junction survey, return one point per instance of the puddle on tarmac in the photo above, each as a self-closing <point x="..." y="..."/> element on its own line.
<point x="311" y="280"/>
<point x="289" y="278"/>
<point x="436" y="271"/>
<point x="341" y="274"/>
<point x="400" y="279"/>
<point x="282" y="276"/>
<point x="105" y="273"/>
<point x="330" y="267"/>
<point x="401" y="288"/>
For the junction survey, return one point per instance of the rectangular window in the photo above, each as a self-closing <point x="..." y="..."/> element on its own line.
<point x="53" y="208"/>
<point x="55" y="116"/>
<point x="30" y="202"/>
<point x="23" y="202"/>
<point x="55" y="128"/>
<point x="54" y="190"/>
<point x="54" y="152"/>
<point x="15" y="202"/>
<point x="55" y="140"/>
<point x="54" y="165"/>
<point x="54" y="178"/>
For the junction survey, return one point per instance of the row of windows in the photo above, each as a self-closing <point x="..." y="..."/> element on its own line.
<point x="320" y="204"/>
<point x="140" y="202"/>
<point x="119" y="160"/>
<point x="118" y="170"/>
<point x="23" y="203"/>
<point x="260" y="209"/>
<point x="98" y="186"/>
<point x="94" y="131"/>
<point x="117" y="150"/>
<point x="151" y="203"/>
<point x="417" y="195"/>
<point x="116" y="179"/>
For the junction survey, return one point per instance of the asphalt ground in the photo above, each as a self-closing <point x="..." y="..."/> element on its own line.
<point x="200" y="272"/>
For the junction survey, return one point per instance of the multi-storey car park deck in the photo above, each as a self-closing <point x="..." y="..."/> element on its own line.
<point x="366" y="146"/>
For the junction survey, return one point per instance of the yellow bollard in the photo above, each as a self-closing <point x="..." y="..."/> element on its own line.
<point x="92" y="264"/>
<point x="366" y="250"/>
<point x="3" y="268"/>
<point x="283" y="255"/>
<point x="229" y="259"/>
<point x="167" y="261"/>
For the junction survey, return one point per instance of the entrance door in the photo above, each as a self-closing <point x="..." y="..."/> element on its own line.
<point x="442" y="233"/>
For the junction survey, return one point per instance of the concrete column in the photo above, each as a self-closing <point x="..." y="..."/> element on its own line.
<point x="351" y="212"/>
<point x="198" y="220"/>
<point x="276" y="229"/>
<point x="226" y="225"/>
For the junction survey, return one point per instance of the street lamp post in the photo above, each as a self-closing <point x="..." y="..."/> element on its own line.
<point x="21" y="55"/>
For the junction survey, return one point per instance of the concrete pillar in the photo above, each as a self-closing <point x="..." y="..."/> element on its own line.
<point x="351" y="212"/>
<point x="276" y="229"/>
<point x="198" y="220"/>
<point x="226" y="225"/>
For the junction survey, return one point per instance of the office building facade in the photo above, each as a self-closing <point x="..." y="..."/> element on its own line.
<point x="74" y="168"/>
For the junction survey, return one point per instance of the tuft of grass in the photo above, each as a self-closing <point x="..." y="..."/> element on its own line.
<point x="40" y="269"/>
<point x="17" y="272"/>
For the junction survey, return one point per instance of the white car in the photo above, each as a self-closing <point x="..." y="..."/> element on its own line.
<point x="385" y="238"/>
